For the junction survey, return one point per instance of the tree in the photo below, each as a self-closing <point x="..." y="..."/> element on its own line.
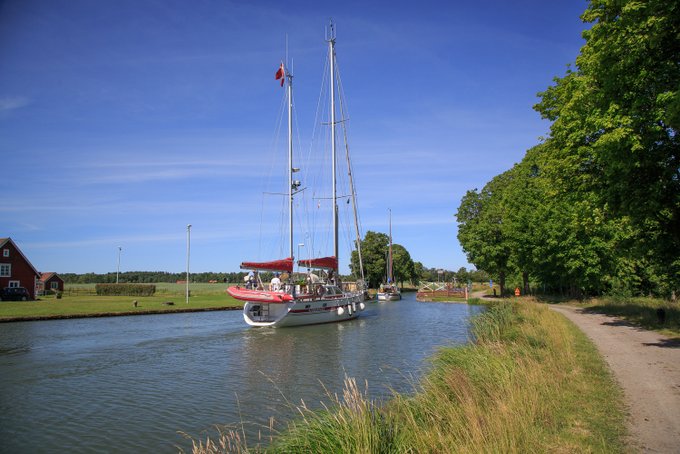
<point x="480" y="219"/>
<point x="373" y="252"/>
<point x="418" y="272"/>
<point x="595" y="207"/>
<point x="403" y="266"/>
<point x="374" y="248"/>
<point x="618" y="114"/>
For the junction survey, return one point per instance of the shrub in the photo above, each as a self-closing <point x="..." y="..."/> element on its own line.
<point x="125" y="289"/>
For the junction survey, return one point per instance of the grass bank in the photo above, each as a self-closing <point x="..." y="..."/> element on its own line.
<point x="531" y="382"/>
<point x="82" y="301"/>
<point x="643" y="312"/>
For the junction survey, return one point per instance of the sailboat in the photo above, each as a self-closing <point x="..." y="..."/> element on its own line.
<point x="320" y="298"/>
<point x="389" y="291"/>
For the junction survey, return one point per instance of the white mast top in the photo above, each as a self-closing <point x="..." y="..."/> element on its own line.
<point x="331" y="55"/>
<point x="291" y="183"/>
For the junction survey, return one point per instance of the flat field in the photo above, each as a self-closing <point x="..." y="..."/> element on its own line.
<point x="81" y="300"/>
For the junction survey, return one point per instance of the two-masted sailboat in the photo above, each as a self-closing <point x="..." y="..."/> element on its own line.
<point x="389" y="290"/>
<point x="319" y="298"/>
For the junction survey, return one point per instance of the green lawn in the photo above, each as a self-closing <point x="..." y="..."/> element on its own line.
<point x="81" y="300"/>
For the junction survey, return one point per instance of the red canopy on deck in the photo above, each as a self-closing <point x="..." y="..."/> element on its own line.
<point x="322" y="263"/>
<point x="274" y="265"/>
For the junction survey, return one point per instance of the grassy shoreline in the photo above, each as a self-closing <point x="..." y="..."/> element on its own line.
<point x="531" y="382"/>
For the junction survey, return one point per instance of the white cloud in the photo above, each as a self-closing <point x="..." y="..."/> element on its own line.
<point x="10" y="103"/>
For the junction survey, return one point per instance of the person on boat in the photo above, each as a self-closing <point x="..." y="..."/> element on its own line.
<point x="249" y="281"/>
<point x="313" y="278"/>
<point x="275" y="284"/>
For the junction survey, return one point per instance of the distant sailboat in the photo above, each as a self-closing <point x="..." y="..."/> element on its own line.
<point x="320" y="299"/>
<point x="389" y="290"/>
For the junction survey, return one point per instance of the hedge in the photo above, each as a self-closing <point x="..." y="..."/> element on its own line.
<point x="125" y="289"/>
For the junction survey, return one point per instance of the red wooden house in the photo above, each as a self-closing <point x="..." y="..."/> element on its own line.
<point x="50" y="282"/>
<point x="15" y="269"/>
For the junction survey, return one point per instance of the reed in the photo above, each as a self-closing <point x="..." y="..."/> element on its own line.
<point x="531" y="382"/>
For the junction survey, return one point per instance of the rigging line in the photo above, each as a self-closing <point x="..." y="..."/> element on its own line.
<point x="266" y="180"/>
<point x="357" y="220"/>
<point x="319" y="151"/>
<point x="311" y="220"/>
<point x="350" y="169"/>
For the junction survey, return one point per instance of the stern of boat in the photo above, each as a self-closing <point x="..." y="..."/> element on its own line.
<point x="264" y="314"/>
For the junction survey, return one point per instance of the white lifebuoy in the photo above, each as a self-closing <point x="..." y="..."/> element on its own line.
<point x="362" y="306"/>
<point x="341" y="310"/>
<point x="349" y="309"/>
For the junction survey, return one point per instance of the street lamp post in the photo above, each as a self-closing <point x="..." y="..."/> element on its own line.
<point x="298" y="257"/>
<point x="188" y="255"/>
<point x="118" y="268"/>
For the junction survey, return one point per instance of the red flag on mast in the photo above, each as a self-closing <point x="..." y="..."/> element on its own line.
<point x="279" y="74"/>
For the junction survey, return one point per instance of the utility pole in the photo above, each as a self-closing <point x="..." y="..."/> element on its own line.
<point x="188" y="255"/>
<point x="118" y="269"/>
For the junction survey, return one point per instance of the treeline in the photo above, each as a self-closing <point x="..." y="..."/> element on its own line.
<point x="595" y="207"/>
<point x="152" y="277"/>
<point x="148" y="277"/>
<point x="374" y="254"/>
<point x="462" y="276"/>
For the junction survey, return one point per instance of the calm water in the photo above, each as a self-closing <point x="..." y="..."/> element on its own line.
<point x="129" y="384"/>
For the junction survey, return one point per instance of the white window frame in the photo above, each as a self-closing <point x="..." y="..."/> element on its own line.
<point x="54" y="285"/>
<point x="5" y="252"/>
<point x="14" y="284"/>
<point x="8" y="267"/>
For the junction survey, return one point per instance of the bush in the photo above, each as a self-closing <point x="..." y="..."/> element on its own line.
<point x="125" y="289"/>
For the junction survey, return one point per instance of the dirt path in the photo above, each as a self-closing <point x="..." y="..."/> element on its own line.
<point x="647" y="366"/>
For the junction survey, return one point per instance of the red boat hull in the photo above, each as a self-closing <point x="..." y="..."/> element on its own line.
<point x="259" y="296"/>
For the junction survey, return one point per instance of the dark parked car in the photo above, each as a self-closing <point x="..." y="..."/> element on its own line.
<point x="14" y="294"/>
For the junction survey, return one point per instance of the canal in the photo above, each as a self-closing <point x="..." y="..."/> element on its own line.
<point x="134" y="384"/>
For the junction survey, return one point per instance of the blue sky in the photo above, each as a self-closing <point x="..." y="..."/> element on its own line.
<point x="122" y="122"/>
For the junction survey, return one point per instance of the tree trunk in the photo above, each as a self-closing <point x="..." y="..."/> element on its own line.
<point x="525" y="281"/>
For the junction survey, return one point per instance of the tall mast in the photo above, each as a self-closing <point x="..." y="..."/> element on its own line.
<point x="391" y="277"/>
<point x="331" y="56"/>
<point x="291" y="183"/>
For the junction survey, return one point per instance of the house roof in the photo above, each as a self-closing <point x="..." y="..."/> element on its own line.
<point x="4" y="241"/>
<point x="44" y="277"/>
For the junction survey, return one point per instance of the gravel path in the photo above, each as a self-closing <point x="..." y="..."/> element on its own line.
<point x="647" y="366"/>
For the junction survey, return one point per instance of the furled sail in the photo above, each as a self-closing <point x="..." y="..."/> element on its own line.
<point x="274" y="265"/>
<point x="321" y="263"/>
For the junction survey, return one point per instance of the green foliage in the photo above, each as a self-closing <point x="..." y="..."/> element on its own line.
<point x="403" y="266"/>
<point x="374" y="254"/>
<point x="125" y="289"/>
<point x="595" y="208"/>
<point x="374" y="249"/>
<point x="481" y="230"/>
